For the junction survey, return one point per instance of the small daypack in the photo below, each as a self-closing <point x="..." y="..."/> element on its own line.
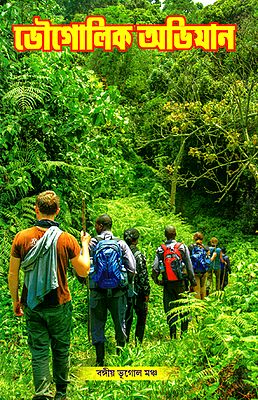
<point x="199" y="259"/>
<point x="173" y="262"/>
<point x="108" y="269"/>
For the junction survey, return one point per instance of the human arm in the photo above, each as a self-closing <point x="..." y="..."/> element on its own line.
<point x="221" y="257"/>
<point x="81" y="263"/>
<point x="214" y="255"/>
<point x="156" y="269"/>
<point x="142" y="284"/>
<point x="13" y="284"/>
<point x="128" y="258"/>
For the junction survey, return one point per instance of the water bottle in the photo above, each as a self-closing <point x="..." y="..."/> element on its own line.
<point x="161" y="267"/>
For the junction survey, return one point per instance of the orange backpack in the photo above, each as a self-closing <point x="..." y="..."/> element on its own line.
<point x="173" y="262"/>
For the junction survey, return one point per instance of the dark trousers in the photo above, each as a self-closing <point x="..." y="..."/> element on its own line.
<point x="171" y="292"/>
<point x="223" y="278"/>
<point x="100" y="304"/>
<point x="49" y="328"/>
<point x="139" y="305"/>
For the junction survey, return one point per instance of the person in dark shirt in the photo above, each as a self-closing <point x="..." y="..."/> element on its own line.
<point x="225" y="269"/>
<point x="172" y="290"/>
<point x="139" y="290"/>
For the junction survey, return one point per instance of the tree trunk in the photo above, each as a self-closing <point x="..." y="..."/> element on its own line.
<point x="174" y="177"/>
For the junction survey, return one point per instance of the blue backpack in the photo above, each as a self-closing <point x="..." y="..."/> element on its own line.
<point x="199" y="259"/>
<point x="108" y="270"/>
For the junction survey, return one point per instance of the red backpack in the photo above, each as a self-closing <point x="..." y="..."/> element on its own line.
<point x="173" y="262"/>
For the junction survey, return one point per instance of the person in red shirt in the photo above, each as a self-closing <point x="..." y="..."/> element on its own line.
<point x="49" y="321"/>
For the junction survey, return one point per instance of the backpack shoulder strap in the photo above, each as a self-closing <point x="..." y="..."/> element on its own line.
<point x="116" y="238"/>
<point x="135" y="252"/>
<point x="176" y="246"/>
<point x="99" y="238"/>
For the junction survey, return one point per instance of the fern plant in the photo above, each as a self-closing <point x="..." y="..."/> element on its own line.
<point x="223" y="340"/>
<point x="24" y="98"/>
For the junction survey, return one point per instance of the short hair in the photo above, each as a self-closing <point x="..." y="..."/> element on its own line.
<point x="214" y="241"/>
<point x="48" y="202"/>
<point x="170" y="232"/>
<point x="198" y="236"/>
<point x="105" y="220"/>
<point x="131" y="235"/>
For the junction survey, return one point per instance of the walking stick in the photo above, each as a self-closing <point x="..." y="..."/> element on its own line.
<point x="87" y="278"/>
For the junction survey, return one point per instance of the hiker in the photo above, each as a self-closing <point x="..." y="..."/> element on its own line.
<point x="216" y="259"/>
<point x="225" y="269"/>
<point x="112" y="266"/>
<point x="43" y="252"/>
<point x="200" y="260"/>
<point x="170" y="260"/>
<point x="138" y="296"/>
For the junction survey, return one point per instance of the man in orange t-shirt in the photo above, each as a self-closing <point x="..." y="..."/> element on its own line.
<point x="49" y="322"/>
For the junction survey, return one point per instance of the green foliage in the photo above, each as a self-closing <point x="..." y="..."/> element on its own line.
<point x="133" y="212"/>
<point x="187" y="8"/>
<point x="224" y="339"/>
<point x="217" y="358"/>
<point x="24" y="98"/>
<point x="108" y="127"/>
<point x="79" y="132"/>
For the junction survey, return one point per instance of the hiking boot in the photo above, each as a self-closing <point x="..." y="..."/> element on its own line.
<point x="60" y="391"/>
<point x="60" y="396"/>
<point x="172" y="332"/>
<point x="100" y="354"/>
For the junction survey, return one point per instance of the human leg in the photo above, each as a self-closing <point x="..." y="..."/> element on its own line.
<point x="117" y="308"/>
<point x="203" y="285"/>
<point x="59" y="325"/>
<point x="100" y="354"/>
<point x="180" y="288"/>
<point x="39" y="343"/>
<point x="141" y="310"/>
<point x="225" y="280"/>
<point x="129" y="316"/>
<point x="217" y="274"/>
<point x="209" y="282"/>
<point x="197" y="288"/>
<point x="98" y="315"/>
<point x="168" y="298"/>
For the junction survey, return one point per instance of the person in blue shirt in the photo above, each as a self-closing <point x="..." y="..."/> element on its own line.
<point x="215" y="265"/>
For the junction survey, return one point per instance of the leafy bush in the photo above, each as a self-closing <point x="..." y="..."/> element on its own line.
<point x="216" y="359"/>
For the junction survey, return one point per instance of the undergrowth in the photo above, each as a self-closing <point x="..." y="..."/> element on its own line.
<point x="216" y="359"/>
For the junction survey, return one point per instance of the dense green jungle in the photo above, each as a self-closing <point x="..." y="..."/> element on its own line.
<point x="152" y="138"/>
